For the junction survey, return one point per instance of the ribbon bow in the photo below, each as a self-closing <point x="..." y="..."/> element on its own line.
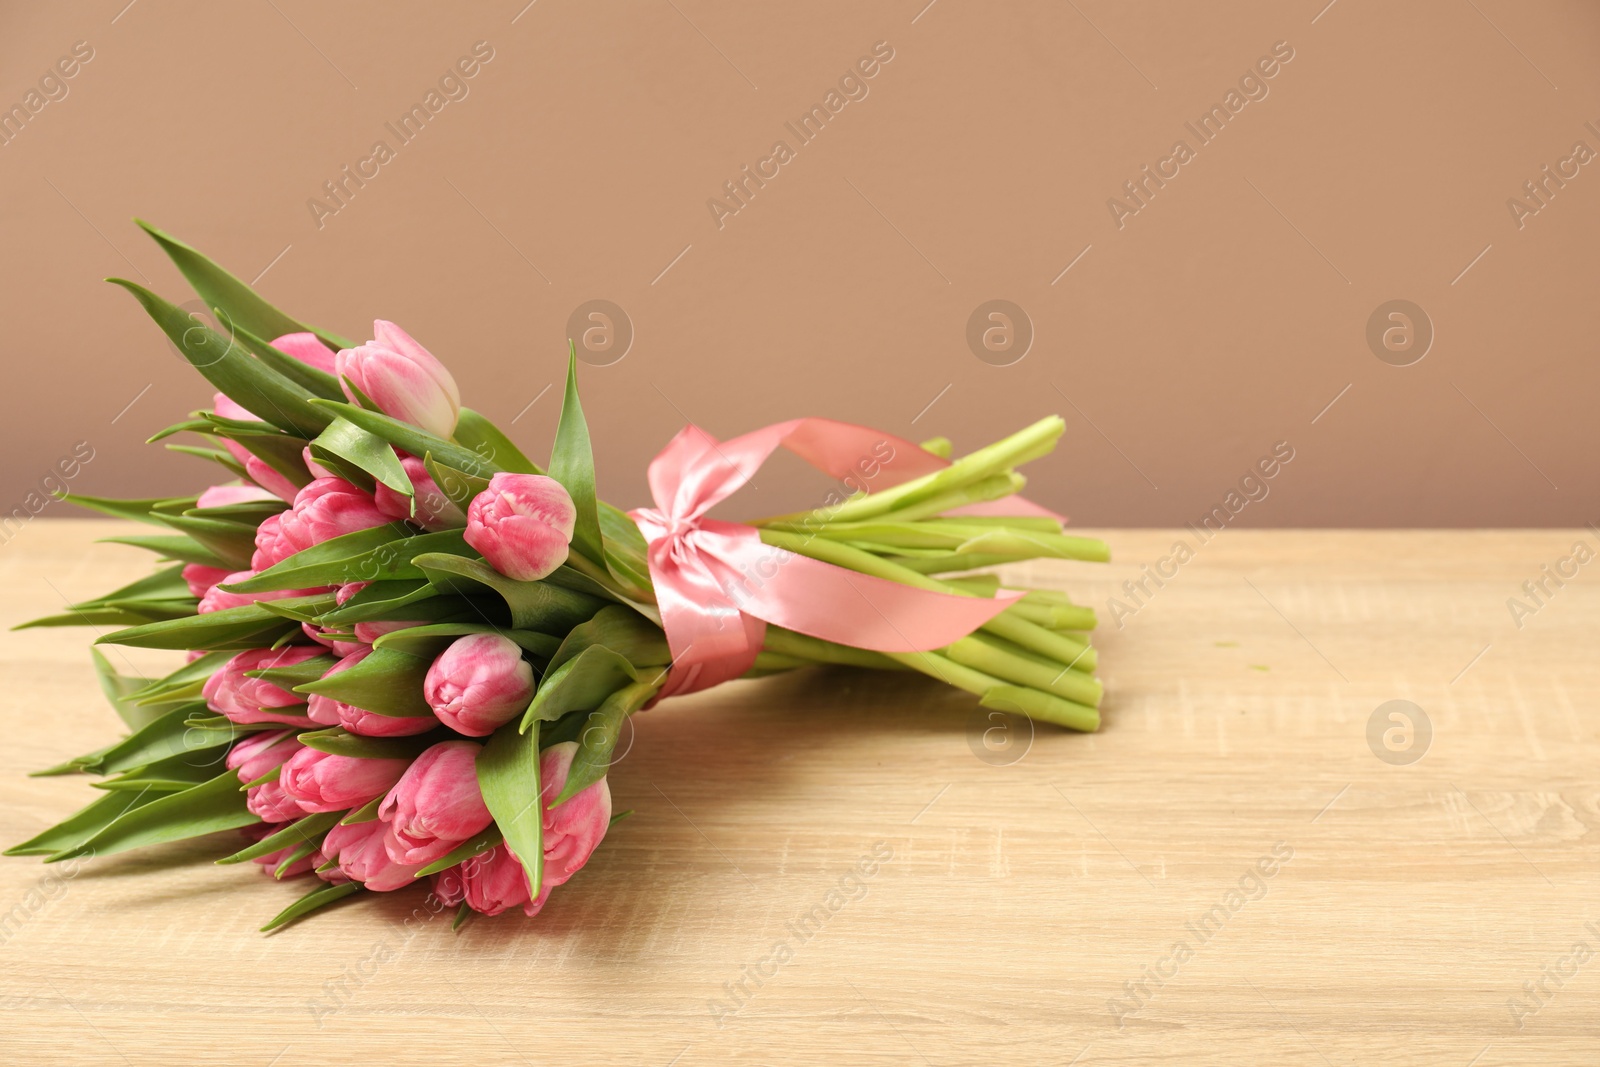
<point x="718" y="585"/>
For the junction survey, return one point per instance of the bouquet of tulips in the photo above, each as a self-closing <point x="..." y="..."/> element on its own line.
<point x="411" y="650"/>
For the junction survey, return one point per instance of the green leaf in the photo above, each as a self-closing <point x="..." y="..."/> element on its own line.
<point x="508" y="775"/>
<point x="465" y="851"/>
<point x="411" y="600"/>
<point x="232" y="542"/>
<point x="121" y="690"/>
<point x="232" y="298"/>
<point x="622" y="630"/>
<point x="572" y="464"/>
<point x="484" y="437"/>
<point x="178" y="547"/>
<point x="429" y="641"/>
<point x="385" y="683"/>
<point x="283" y="452"/>
<point x="598" y="740"/>
<point x="310" y="828"/>
<point x="534" y="605"/>
<point x="292" y="857"/>
<point x="75" y="765"/>
<point x="340" y="742"/>
<point x="164" y="584"/>
<point x="82" y="825"/>
<point x="215" y="455"/>
<point x="583" y="682"/>
<point x="302" y="608"/>
<point x="409" y="438"/>
<point x="251" y="513"/>
<point x="93" y="617"/>
<point x="247" y="626"/>
<point x="308" y="670"/>
<point x="458" y="486"/>
<point x="366" y="451"/>
<point x="382" y="552"/>
<point x="252" y="384"/>
<point x="168" y="735"/>
<point x="203" y="809"/>
<point x="626" y="549"/>
<point x="138" y="510"/>
<point x="320" y="897"/>
<point x="298" y="371"/>
<point x="367" y="812"/>
<point x="463" y="913"/>
<point x="182" y="771"/>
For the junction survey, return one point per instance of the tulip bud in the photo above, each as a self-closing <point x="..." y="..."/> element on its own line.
<point x="321" y="781"/>
<point x="307" y="349"/>
<point x="221" y="496"/>
<point x="259" y="753"/>
<point x="434" y="510"/>
<point x="479" y="683"/>
<point x="496" y="880"/>
<point x="249" y="700"/>
<point x="268" y="478"/>
<point x="271" y="546"/>
<point x="315" y="469"/>
<point x="200" y="578"/>
<point x="255" y="756"/>
<point x="216" y="598"/>
<point x="436" y="805"/>
<point x="490" y="882"/>
<point x="330" y="712"/>
<point x="522" y="523"/>
<point x="325" y="509"/>
<point x="573" y="829"/>
<point x="361" y="852"/>
<point x="403" y="379"/>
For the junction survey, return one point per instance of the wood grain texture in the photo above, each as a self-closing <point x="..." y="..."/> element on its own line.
<point x="1021" y="894"/>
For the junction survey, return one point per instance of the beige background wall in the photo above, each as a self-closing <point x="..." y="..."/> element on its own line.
<point x="1222" y="317"/>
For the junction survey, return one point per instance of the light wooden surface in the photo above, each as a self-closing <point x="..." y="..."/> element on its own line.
<point x="1018" y="900"/>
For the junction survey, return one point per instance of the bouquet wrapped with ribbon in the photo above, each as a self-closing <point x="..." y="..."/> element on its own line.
<point x="411" y="650"/>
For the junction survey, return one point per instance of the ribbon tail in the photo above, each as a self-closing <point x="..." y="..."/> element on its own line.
<point x="849" y="608"/>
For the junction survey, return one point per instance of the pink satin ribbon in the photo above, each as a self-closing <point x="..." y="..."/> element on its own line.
<point x="718" y="585"/>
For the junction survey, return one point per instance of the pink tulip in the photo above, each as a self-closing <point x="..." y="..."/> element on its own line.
<point x="328" y="508"/>
<point x="201" y="578"/>
<point x="436" y="805"/>
<point x="362" y="854"/>
<point x="321" y="781"/>
<point x="495" y="880"/>
<point x="271" y="803"/>
<point x="260" y="752"/>
<point x="316" y="469"/>
<point x="268" y="477"/>
<point x="327" y="711"/>
<point x="434" y="510"/>
<point x="217" y="599"/>
<point x="479" y="683"/>
<point x="221" y="496"/>
<point x="575" y="828"/>
<point x="522" y="524"/>
<point x="403" y="379"/>
<point x="250" y="700"/>
<point x="490" y="882"/>
<point x="307" y="349"/>
<point x="272" y="547"/>
<point x="255" y="756"/>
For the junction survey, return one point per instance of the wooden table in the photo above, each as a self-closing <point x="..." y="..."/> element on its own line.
<point x="1018" y="888"/>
